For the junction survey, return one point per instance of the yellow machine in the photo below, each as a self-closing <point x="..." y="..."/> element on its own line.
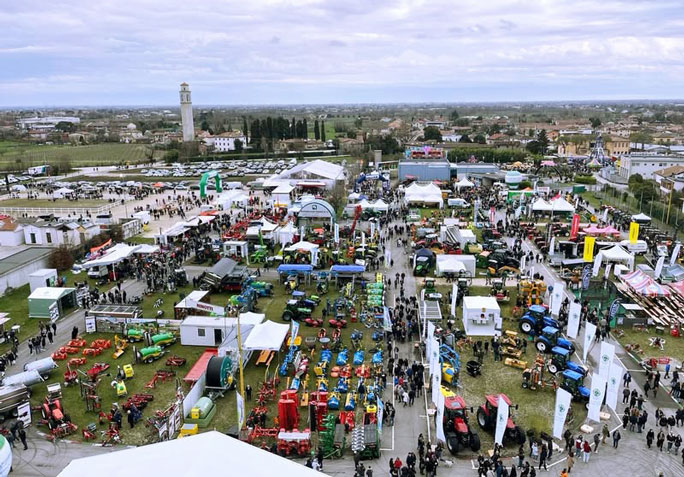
<point x="448" y="374"/>
<point x="188" y="430"/>
<point x="532" y="291"/>
<point x="121" y="388"/>
<point x="128" y="371"/>
<point x="297" y="341"/>
<point x="120" y="345"/>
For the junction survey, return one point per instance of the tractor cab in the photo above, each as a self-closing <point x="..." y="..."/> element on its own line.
<point x="573" y="382"/>
<point x="455" y="414"/>
<point x="429" y="285"/>
<point x="491" y="408"/>
<point x="549" y="338"/>
<point x="422" y="266"/>
<point x="560" y="360"/>
<point x="535" y="319"/>
<point x="486" y="418"/>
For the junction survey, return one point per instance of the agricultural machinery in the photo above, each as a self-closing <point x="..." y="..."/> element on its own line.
<point x="457" y="430"/>
<point x="295" y="311"/>
<point x="573" y="382"/>
<point x="560" y="361"/>
<point x="54" y="417"/>
<point x="550" y="338"/>
<point x="149" y="354"/>
<point x="163" y="339"/>
<point x="535" y="319"/>
<point x="134" y="335"/>
<point x="422" y="266"/>
<point x="261" y="288"/>
<point x="450" y="364"/>
<point x="486" y="418"/>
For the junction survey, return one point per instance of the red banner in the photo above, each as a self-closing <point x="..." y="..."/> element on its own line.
<point x="574" y="228"/>
<point x="100" y="247"/>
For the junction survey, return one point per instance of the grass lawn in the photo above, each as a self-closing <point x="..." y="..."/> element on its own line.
<point x="164" y="393"/>
<point x="15" y="303"/>
<point x="674" y="347"/>
<point x="52" y="204"/>
<point x="139" y="239"/>
<point x="78" y="156"/>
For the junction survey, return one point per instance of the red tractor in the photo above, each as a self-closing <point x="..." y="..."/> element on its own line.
<point x="457" y="430"/>
<point x="486" y="418"/>
<point x="57" y="421"/>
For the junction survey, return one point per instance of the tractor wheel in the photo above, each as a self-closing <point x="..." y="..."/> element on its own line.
<point x="287" y="316"/>
<point x="526" y="327"/>
<point x="482" y="418"/>
<point x="52" y="424"/>
<point x="67" y="418"/>
<point x="525" y="384"/>
<point x="518" y="435"/>
<point x="148" y="360"/>
<point x="474" y="442"/>
<point x="453" y="444"/>
<point x="552" y="368"/>
<point x="541" y="346"/>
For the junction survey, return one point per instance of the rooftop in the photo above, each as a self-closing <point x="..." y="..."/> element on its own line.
<point x="23" y="257"/>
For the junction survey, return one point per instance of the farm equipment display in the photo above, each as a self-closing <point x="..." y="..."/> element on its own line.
<point x="149" y="354"/>
<point x="97" y="369"/>
<point x="573" y="382"/>
<point x="134" y="335"/>
<point x="560" y="360"/>
<point x="450" y="364"/>
<point x="459" y="435"/>
<point x="295" y="311"/>
<point x="535" y="319"/>
<point x="486" y="418"/>
<point x="119" y="346"/>
<point x="549" y="338"/>
<point x="54" y="417"/>
<point x="163" y="339"/>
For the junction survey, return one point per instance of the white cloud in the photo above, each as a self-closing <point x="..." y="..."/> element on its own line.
<point x="302" y="50"/>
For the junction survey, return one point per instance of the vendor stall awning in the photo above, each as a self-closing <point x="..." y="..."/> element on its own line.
<point x="266" y="336"/>
<point x="348" y="269"/>
<point x="50" y="293"/>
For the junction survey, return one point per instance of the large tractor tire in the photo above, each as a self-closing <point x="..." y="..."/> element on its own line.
<point x="552" y="368"/>
<point x="482" y="419"/>
<point x="541" y="346"/>
<point x="453" y="444"/>
<point x="526" y="327"/>
<point x="474" y="442"/>
<point x="287" y="316"/>
<point x="518" y="435"/>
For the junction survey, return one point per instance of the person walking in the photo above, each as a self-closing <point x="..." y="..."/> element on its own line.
<point x="597" y="440"/>
<point x="605" y="434"/>
<point x="542" y="457"/>
<point x="650" y="435"/>
<point x="570" y="462"/>
<point x="616" y="438"/>
<point x="660" y="440"/>
<point x="586" y="450"/>
<point x="22" y="437"/>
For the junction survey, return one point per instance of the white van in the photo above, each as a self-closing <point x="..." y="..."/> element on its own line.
<point x="458" y="202"/>
<point x="639" y="247"/>
<point x="98" y="272"/>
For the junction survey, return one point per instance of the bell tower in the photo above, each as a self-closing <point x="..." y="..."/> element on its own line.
<point x="186" y="113"/>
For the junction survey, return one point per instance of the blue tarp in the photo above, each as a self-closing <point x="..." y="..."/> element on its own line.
<point x="294" y="268"/>
<point x="347" y="269"/>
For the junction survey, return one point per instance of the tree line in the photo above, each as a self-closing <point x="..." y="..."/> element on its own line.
<point x="271" y="129"/>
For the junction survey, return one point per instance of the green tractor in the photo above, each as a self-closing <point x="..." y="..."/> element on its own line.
<point x="293" y="311"/>
<point x="149" y="354"/>
<point x="259" y="254"/>
<point x="163" y="339"/>
<point x="422" y="267"/>
<point x="134" y="335"/>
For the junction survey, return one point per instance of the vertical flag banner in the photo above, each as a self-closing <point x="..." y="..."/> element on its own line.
<point x="586" y="276"/>
<point x="659" y="267"/>
<point x="501" y="420"/>
<point x="372" y="230"/>
<point x="574" y="319"/>
<point x="240" y="409"/>
<point x="589" y="333"/>
<point x="605" y="214"/>
<point x="597" y="264"/>
<point x="552" y="245"/>
<point x="294" y="329"/>
<point x="337" y="233"/>
<point x="381" y="411"/>
<point x="606" y="273"/>
<point x="588" y="254"/>
<point x="598" y="390"/>
<point x="454" y="294"/>
<point x="633" y="232"/>
<point x="557" y="297"/>
<point x="574" y="227"/>
<point x="675" y="253"/>
<point x="614" y="308"/>
<point x="436" y="382"/>
<point x="439" y="424"/>
<point x="613" y="388"/>
<point x="606" y="359"/>
<point x="563" y="399"/>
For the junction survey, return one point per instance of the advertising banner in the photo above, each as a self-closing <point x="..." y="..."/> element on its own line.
<point x="557" y="297"/>
<point x="589" y="333"/>
<point x="659" y="267"/>
<point x="501" y="421"/>
<point x="613" y="388"/>
<point x="240" y="409"/>
<point x="563" y="399"/>
<point x="606" y="359"/>
<point x="574" y="319"/>
<point x="633" y="232"/>
<point x="675" y="253"/>
<point x="574" y="227"/>
<point x="439" y="424"/>
<point x="588" y="254"/>
<point x="598" y="390"/>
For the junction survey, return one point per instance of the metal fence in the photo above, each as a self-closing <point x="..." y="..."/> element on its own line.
<point x="36" y="211"/>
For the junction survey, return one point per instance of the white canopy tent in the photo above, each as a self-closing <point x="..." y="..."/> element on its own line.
<point x="540" y="205"/>
<point x="312" y="248"/>
<point x="117" y="253"/>
<point x="614" y="254"/>
<point x="464" y="183"/>
<point x="193" y="456"/>
<point x="230" y="198"/>
<point x="380" y="205"/>
<point x="562" y="205"/>
<point x="286" y="233"/>
<point x="61" y="192"/>
<point x="423" y="194"/>
<point x="268" y="335"/>
<point x="448" y="264"/>
<point x="641" y="218"/>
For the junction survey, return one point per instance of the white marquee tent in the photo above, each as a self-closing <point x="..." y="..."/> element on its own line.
<point x="193" y="456"/>
<point x="423" y="194"/>
<point x="464" y="183"/>
<point x="286" y="233"/>
<point x="268" y="335"/>
<point x="540" y="205"/>
<point x="562" y="205"/>
<point x="448" y="264"/>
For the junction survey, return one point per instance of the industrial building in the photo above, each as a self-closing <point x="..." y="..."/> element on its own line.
<point x="646" y="164"/>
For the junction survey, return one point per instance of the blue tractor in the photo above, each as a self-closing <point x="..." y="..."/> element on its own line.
<point x="549" y="338"/>
<point x="573" y="382"/>
<point x="560" y="361"/>
<point x="535" y="320"/>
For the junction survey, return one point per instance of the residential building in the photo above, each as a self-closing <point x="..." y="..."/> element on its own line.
<point x="47" y="123"/>
<point x="226" y="141"/>
<point x="52" y="233"/>
<point x="11" y="232"/>
<point x="670" y="178"/>
<point x="646" y="164"/>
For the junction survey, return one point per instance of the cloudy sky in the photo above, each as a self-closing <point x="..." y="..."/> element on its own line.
<point x="126" y="52"/>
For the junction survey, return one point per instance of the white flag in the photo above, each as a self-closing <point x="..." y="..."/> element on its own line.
<point x="372" y="230"/>
<point x="605" y="214"/>
<point x="598" y="390"/>
<point x="240" y="409"/>
<point x="501" y="420"/>
<point x="363" y="239"/>
<point x="434" y="357"/>
<point x="606" y="359"/>
<point x="454" y="294"/>
<point x="613" y="385"/>
<point x="557" y="297"/>
<point x="436" y="382"/>
<point x="597" y="265"/>
<point x="439" y="425"/>
<point x="563" y="399"/>
<point x="675" y="253"/>
<point x="552" y="245"/>
<point x="431" y="330"/>
<point x="589" y="333"/>
<point x="606" y="274"/>
<point x="388" y="257"/>
<point x="336" y="229"/>
<point x="659" y="267"/>
<point x="574" y="319"/>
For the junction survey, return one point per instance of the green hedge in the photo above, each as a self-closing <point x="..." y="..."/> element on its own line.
<point x="585" y="179"/>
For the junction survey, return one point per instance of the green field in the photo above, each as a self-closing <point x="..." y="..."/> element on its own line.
<point x="18" y="156"/>
<point x="52" y="204"/>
